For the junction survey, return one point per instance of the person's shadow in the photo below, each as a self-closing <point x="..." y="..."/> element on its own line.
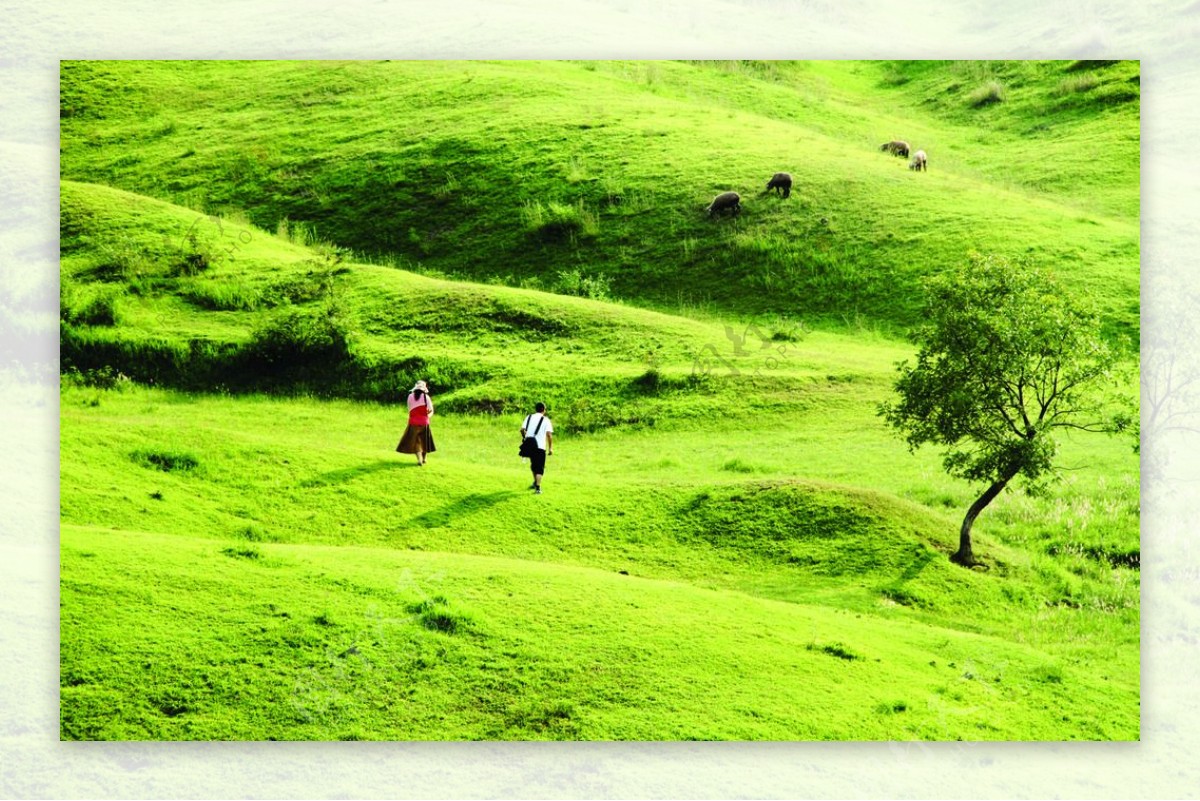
<point x="358" y="471"/>
<point x="467" y="505"/>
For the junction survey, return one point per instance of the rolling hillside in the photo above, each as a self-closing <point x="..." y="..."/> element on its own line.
<point x="259" y="259"/>
<point x="518" y="171"/>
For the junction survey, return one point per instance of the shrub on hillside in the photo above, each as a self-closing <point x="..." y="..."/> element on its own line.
<point x="100" y="378"/>
<point x="89" y="348"/>
<point x="650" y="381"/>
<point x="586" y="416"/>
<point x="119" y="261"/>
<point x="197" y="255"/>
<point x="556" y="719"/>
<point x="576" y="282"/>
<point x="298" y="338"/>
<point x="389" y="380"/>
<point x="894" y="76"/>
<point x="148" y="285"/>
<point x="656" y="382"/>
<point x="80" y="307"/>
<point x="296" y="232"/>
<point x="315" y="284"/>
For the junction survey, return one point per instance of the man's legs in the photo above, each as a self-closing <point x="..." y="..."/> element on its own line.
<point x="537" y="465"/>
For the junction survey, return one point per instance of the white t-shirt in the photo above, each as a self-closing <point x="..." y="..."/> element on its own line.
<point x="531" y="422"/>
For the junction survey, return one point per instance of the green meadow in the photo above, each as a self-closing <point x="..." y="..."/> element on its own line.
<point x="259" y="259"/>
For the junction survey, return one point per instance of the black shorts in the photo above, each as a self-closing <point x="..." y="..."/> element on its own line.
<point x="537" y="462"/>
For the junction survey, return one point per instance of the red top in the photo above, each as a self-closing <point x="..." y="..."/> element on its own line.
<point x="419" y="410"/>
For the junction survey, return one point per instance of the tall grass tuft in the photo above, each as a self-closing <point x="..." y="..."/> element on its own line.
<point x="986" y="95"/>
<point x="296" y="232"/>
<point x="1077" y="84"/>
<point x="222" y="296"/>
<point x="559" y="222"/>
<point x="199" y="254"/>
<point x="894" y="76"/>
<point x="166" y="460"/>
<point x="613" y="189"/>
<point x="436" y="614"/>
<point x="448" y="188"/>
<point x="576" y="170"/>
<point x="119" y="261"/>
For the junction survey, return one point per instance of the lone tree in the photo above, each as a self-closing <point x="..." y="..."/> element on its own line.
<point x="1004" y="358"/>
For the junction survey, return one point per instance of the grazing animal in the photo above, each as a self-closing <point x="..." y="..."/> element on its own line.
<point x="918" y="161"/>
<point x="895" y="147"/>
<point x="726" y="201"/>
<point x="781" y="182"/>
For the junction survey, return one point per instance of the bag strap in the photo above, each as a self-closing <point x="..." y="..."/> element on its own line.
<point x="539" y="426"/>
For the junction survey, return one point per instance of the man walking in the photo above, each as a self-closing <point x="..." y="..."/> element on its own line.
<point x="541" y="430"/>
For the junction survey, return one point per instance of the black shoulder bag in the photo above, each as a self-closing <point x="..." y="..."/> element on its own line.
<point x="529" y="444"/>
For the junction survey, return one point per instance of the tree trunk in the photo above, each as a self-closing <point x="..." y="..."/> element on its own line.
<point x="964" y="556"/>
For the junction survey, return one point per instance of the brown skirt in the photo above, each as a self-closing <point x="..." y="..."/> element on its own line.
<point x="414" y="436"/>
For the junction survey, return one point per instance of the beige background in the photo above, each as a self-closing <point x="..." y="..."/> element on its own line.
<point x="35" y="36"/>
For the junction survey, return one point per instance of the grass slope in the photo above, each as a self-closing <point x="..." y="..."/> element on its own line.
<point x="484" y="348"/>
<point x="354" y="643"/>
<point x="297" y="583"/>
<point x="521" y="171"/>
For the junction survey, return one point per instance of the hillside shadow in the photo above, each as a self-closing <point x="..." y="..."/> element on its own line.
<point x="898" y="590"/>
<point x="916" y="568"/>
<point x="358" y="471"/>
<point x="468" y="505"/>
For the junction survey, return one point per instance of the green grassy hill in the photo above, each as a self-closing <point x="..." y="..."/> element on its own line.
<point x="254" y="568"/>
<point x="520" y="171"/>
<point x="731" y="545"/>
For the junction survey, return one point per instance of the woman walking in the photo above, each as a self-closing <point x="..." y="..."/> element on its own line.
<point x="417" y="437"/>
